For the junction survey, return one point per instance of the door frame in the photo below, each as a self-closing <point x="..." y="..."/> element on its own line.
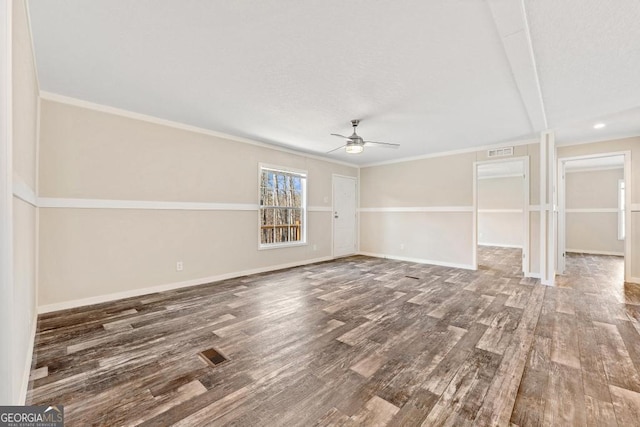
<point x="333" y="210"/>
<point x="561" y="237"/>
<point x="526" y="258"/>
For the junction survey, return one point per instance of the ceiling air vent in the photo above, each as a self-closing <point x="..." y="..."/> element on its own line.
<point x="500" y="152"/>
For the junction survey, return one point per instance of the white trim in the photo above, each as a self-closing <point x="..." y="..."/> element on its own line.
<point x="32" y="45"/>
<point x="453" y="153"/>
<point x="628" y="255"/>
<point x="561" y="236"/>
<point x="526" y="257"/>
<point x="420" y="209"/>
<point x="594" y="252"/>
<point x="596" y="155"/>
<point x="474" y="218"/>
<point x="302" y="174"/>
<point x="277" y="168"/>
<point x="24" y="387"/>
<point x="48" y="308"/>
<point x="500" y="245"/>
<point x="501" y="211"/>
<point x="506" y="175"/>
<point x="547" y="236"/>
<point x="269" y="246"/>
<point x="52" y="202"/>
<point x="592" y="210"/>
<point x="22" y="191"/>
<point x="176" y="125"/>
<point x="420" y="260"/>
<point x="596" y="139"/>
<point x="635" y="280"/>
<point x="534" y="208"/>
<point x="533" y="275"/>
<point x="594" y="169"/>
<point x="357" y="213"/>
<point x="635" y="207"/>
<point x="8" y="392"/>
<point x="552" y="234"/>
<point x="37" y="191"/>
<point x="320" y="209"/>
<point x="620" y="212"/>
<point x="532" y="56"/>
<point x="25" y="193"/>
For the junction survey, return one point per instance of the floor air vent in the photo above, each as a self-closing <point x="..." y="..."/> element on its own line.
<point x="213" y="357"/>
<point x="412" y="277"/>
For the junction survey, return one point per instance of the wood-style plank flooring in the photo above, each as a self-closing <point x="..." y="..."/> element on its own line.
<point x="356" y="341"/>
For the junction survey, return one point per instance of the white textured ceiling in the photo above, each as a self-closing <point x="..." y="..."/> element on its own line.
<point x="433" y="76"/>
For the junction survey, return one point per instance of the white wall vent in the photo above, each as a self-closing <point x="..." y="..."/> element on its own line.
<point x="500" y="152"/>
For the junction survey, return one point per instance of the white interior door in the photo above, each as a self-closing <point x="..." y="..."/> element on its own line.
<point x="344" y="215"/>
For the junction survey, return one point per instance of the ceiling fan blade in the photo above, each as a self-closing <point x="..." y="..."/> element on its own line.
<point x="340" y="136"/>
<point x="336" y="149"/>
<point x="386" y="144"/>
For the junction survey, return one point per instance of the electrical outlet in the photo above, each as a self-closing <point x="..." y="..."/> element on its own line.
<point x="315" y="247"/>
<point x="179" y="266"/>
<point x="402" y="246"/>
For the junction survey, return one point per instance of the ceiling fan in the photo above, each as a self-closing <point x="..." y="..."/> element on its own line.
<point x="355" y="144"/>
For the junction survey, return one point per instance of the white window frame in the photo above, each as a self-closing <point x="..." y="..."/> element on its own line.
<point x="303" y="173"/>
<point x="622" y="188"/>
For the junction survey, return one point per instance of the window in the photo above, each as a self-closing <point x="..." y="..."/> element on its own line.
<point x="621" y="209"/>
<point x="283" y="207"/>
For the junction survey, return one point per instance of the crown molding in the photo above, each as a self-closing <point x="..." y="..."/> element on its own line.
<point x="455" y="152"/>
<point x="62" y="99"/>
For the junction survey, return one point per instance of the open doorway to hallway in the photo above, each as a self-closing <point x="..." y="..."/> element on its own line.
<point x="592" y="220"/>
<point x="502" y="216"/>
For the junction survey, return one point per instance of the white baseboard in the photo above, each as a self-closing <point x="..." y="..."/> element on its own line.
<point x="635" y="280"/>
<point x="592" y="252"/>
<point x="500" y="245"/>
<point x="169" y="286"/>
<point x="420" y="260"/>
<point x="533" y="275"/>
<point x="24" y="387"/>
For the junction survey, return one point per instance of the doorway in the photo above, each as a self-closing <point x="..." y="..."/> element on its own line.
<point x="593" y="212"/>
<point x="501" y="215"/>
<point x="344" y="215"/>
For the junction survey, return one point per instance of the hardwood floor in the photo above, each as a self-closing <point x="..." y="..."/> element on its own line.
<point x="356" y="341"/>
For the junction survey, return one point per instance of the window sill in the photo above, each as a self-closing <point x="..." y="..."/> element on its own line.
<point x="280" y="245"/>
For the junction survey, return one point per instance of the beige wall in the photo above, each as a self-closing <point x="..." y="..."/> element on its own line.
<point x="625" y="144"/>
<point x="435" y="237"/>
<point x="592" y="231"/>
<point x="93" y="253"/>
<point x="501" y="211"/>
<point x="592" y="189"/>
<point x="438" y="181"/>
<point x="398" y="203"/>
<point x="24" y="118"/>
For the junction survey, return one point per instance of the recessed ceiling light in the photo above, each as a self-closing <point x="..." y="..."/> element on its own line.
<point x="599" y="125"/>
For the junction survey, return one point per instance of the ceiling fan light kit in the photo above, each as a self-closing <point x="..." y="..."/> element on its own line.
<point x="354" y="148"/>
<point x="355" y="144"/>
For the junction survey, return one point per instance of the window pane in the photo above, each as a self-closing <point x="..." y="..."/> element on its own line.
<point x="281" y="207"/>
<point x="296" y="192"/>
